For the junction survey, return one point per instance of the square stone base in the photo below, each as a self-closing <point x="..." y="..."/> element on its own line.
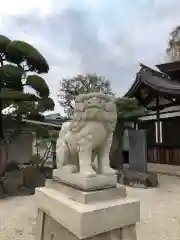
<point x="49" y="229"/>
<point x="87" y="197"/>
<point x="79" y="216"/>
<point x="78" y="181"/>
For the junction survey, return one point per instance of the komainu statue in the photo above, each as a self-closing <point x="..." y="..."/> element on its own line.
<point x="88" y="136"/>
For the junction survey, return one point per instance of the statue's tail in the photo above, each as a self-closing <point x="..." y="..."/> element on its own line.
<point x="65" y="128"/>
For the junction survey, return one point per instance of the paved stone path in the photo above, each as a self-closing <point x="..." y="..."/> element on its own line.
<point x="160" y="213"/>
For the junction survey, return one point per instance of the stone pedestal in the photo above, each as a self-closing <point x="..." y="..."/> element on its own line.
<point x="68" y="213"/>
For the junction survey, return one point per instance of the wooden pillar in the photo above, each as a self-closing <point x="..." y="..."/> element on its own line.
<point x="158" y="130"/>
<point x="135" y="125"/>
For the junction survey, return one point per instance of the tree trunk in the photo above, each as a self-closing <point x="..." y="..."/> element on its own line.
<point x="1" y="123"/>
<point x="3" y="145"/>
<point x="54" y="163"/>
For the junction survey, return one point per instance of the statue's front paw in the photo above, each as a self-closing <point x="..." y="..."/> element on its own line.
<point x="88" y="173"/>
<point x="70" y="168"/>
<point x="108" y="171"/>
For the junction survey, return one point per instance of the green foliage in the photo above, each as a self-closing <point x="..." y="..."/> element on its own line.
<point x="4" y="42"/>
<point x="53" y="135"/>
<point x="34" y="110"/>
<point x="13" y="95"/>
<point x="11" y="76"/>
<point x="17" y="60"/>
<point x="25" y="107"/>
<point x="39" y="84"/>
<point x="46" y="142"/>
<point x="18" y="52"/>
<point x="129" y="109"/>
<point x="125" y="105"/>
<point x="10" y="73"/>
<point x="45" y="104"/>
<point x="71" y="87"/>
<point x="42" y="132"/>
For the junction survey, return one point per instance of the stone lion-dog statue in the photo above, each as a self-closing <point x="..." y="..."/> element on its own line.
<point x="88" y="136"/>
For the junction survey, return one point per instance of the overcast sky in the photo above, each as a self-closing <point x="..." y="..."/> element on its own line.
<point x="107" y="37"/>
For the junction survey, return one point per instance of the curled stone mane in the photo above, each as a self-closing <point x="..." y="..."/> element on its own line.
<point x="80" y="118"/>
<point x="97" y="111"/>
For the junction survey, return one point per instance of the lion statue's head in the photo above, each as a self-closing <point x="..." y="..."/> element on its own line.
<point x="94" y="106"/>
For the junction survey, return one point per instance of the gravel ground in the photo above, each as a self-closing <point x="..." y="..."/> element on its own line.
<point x="160" y="213"/>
